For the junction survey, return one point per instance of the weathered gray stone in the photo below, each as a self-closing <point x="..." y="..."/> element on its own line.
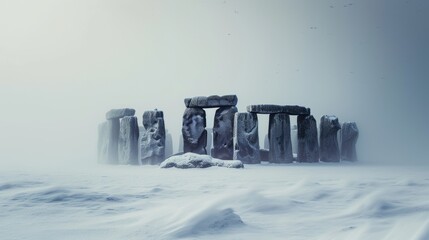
<point x="223" y="144"/>
<point x="211" y="101"/>
<point x="329" y="150"/>
<point x="271" y="109"/>
<point x="120" y="113"/>
<point x="246" y="139"/>
<point x="279" y="138"/>
<point x="128" y="141"/>
<point x="349" y="136"/>
<point x="112" y="140"/>
<point x="193" y="131"/>
<point x="152" y="145"/>
<point x="308" y="145"/>
<point x="103" y="141"/>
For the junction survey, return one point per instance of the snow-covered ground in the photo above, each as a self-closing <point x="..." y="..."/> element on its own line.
<point x="298" y="201"/>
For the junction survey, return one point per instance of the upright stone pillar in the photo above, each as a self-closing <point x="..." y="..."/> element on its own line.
<point x="112" y="140"/>
<point x="128" y="141"/>
<point x="246" y="139"/>
<point x="111" y="132"/>
<point x="349" y="136"/>
<point x="103" y="141"/>
<point x="152" y="145"/>
<point x="329" y="150"/>
<point x="308" y="145"/>
<point x="193" y="130"/>
<point x="223" y="128"/>
<point x="279" y="138"/>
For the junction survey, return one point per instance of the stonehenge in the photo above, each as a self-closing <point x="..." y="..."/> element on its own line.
<point x="152" y="145"/>
<point x="329" y="150"/>
<point x="349" y="136"/>
<point x="234" y="135"/>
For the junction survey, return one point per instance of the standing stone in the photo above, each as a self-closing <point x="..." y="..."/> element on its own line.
<point x="349" y="136"/>
<point x="152" y="145"/>
<point x="102" y="142"/>
<point x="279" y="138"/>
<point x="168" y="145"/>
<point x="128" y="141"/>
<point x="329" y="150"/>
<point x="308" y="145"/>
<point x="223" y="128"/>
<point x="246" y="139"/>
<point x="193" y="131"/>
<point x="112" y="140"/>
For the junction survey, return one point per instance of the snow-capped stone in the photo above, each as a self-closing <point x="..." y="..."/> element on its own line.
<point x="329" y="150"/>
<point x="120" y="113"/>
<point x="193" y="160"/>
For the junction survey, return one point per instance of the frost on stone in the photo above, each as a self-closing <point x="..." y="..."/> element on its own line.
<point x="246" y="139"/>
<point x="193" y="160"/>
<point x="128" y="141"/>
<point x="152" y="143"/>
<point x="193" y="131"/>
<point x="329" y="149"/>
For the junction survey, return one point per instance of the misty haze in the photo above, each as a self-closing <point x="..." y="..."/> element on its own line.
<point x="290" y="80"/>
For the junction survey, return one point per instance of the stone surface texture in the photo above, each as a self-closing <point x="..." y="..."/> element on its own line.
<point x="308" y="144"/>
<point x="128" y="143"/>
<point x="152" y="145"/>
<point x="246" y="139"/>
<point x="279" y="139"/>
<point x="193" y="131"/>
<point x="329" y="150"/>
<point x="112" y="140"/>
<point x="349" y="137"/>
<point x="211" y="101"/>
<point x="223" y="129"/>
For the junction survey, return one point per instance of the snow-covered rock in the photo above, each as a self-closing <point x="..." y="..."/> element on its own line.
<point x="193" y="160"/>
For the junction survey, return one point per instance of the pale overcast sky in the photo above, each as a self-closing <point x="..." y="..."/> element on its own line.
<point x="63" y="64"/>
